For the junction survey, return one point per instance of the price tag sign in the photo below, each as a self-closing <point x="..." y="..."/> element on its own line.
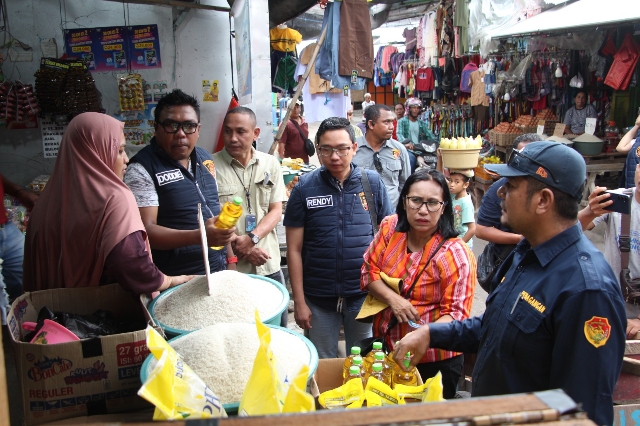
<point x="590" y="126"/>
<point x="540" y="127"/>
<point x="559" y="130"/>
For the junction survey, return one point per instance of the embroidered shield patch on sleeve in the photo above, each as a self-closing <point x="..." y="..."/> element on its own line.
<point x="597" y="331"/>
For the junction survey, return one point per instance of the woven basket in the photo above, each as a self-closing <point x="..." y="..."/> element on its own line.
<point x="503" y="139"/>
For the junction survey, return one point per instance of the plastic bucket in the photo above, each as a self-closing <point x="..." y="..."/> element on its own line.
<point x="271" y="319"/>
<point x="232" y="408"/>
<point x="588" y="148"/>
<point x="288" y="176"/>
<point x="460" y="158"/>
<point x="51" y="333"/>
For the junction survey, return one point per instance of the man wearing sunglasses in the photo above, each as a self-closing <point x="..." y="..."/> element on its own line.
<point x="378" y="151"/>
<point x="169" y="178"/>
<point x="329" y="227"/>
<point x="555" y="317"/>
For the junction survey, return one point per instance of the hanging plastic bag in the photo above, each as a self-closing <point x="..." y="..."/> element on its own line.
<point x="269" y="390"/>
<point x="577" y="82"/>
<point x="173" y="387"/>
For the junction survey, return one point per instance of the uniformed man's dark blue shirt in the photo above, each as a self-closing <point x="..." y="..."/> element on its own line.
<point x="557" y="320"/>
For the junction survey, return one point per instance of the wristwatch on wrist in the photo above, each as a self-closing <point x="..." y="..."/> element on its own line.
<point x="254" y="238"/>
<point x="232" y="259"/>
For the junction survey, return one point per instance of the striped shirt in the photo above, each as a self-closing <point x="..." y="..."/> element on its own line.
<point x="446" y="286"/>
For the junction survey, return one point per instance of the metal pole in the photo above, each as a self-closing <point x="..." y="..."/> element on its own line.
<point x="296" y="95"/>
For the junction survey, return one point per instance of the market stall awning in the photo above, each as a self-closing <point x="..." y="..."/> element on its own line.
<point x="578" y="15"/>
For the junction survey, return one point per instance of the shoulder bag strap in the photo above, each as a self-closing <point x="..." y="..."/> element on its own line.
<point x="299" y="129"/>
<point x="408" y="295"/>
<point x="394" y="321"/>
<point x="368" y="194"/>
<point x="625" y="241"/>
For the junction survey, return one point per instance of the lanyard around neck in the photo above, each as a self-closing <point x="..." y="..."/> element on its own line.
<point x="246" y="188"/>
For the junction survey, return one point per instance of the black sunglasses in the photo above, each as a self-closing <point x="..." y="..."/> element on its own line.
<point x="526" y="164"/>
<point x="188" y="127"/>
<point x="376" y="162"/>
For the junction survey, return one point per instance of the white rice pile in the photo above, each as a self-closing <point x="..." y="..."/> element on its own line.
<point x="234" y="298"/>
<point x="222" y="355"/>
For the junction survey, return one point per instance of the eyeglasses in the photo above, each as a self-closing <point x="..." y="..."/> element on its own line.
<point x="188" y="127"/>
<point x="376" y="162"/>
<point x="327" y="151"/>
<point x="526" y="164"/>
<point x="432" y="205"/>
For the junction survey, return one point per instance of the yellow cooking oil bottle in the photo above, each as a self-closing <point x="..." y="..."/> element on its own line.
<point x="228" y="217"/>
<point x="348" y="361"/>
<point x="378" y="373"/>
<point x="354" y="373"/>
<point x="370" y="358"/>
<point x="401" y="377"/>
<point x="387" y="371"/>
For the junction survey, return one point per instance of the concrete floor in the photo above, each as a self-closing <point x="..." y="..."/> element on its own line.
<point x="15" y="403"/>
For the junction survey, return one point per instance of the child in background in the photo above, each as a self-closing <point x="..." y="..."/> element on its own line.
<point x="463" y="209"/>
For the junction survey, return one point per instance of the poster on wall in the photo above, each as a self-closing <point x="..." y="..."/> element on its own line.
<point x="51" y="137"/>
<point x="139" y="126"/>
<point x="111" y="48"/>
<point x="240" y="12"/>
<point x="79" y="43"/>
<point x="144" y="47"/>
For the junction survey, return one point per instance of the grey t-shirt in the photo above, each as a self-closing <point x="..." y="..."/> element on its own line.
<point x="141" y="184"/>
<point x="612" y="236"/>
<point x="576" y="118"/>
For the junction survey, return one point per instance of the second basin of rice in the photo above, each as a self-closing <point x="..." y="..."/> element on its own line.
<point x="222" y="355"/>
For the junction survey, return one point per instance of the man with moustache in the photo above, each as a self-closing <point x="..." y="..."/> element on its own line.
<point x="169" y="178"/>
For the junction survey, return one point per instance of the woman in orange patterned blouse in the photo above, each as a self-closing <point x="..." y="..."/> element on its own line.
<point x="422" y="228"/>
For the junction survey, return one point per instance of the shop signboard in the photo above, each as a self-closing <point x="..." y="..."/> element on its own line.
<point x="144" y="47"/>
<point x="51" y="137"/>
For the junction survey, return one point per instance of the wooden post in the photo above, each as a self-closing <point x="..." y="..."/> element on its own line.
<point x="4" y="396"/>
<point x="296" y="95"/>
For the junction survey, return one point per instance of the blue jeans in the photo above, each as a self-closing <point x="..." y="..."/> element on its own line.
<point x="11" y="254"/>
<point x="325" y="329"/>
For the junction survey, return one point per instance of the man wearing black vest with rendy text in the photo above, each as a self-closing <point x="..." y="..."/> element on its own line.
<point x="169" y="178"/>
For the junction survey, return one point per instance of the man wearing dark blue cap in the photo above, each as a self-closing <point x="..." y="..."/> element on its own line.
<point x="555" y="317"/>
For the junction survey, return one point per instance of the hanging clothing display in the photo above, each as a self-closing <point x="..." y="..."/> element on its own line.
<point x="316" y="83"/>
<point x="318" y="107"/>
<point x="461" y="25"/>
<point x="284" y="39"/>
<point x="478" y="95"/>
<point x="624" y="63"/>
<point x="328" y="57"/>
<point x="410" y="36"/>
<point x="355" y="53"/>
<point x="284" y="79"/>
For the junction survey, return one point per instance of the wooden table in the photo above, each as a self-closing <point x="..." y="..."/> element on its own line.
<point x="598" y="164"/>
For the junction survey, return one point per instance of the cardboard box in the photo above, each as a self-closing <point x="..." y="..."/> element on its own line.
<point x="86" y="377"/>
<point x="329" y="376"/>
